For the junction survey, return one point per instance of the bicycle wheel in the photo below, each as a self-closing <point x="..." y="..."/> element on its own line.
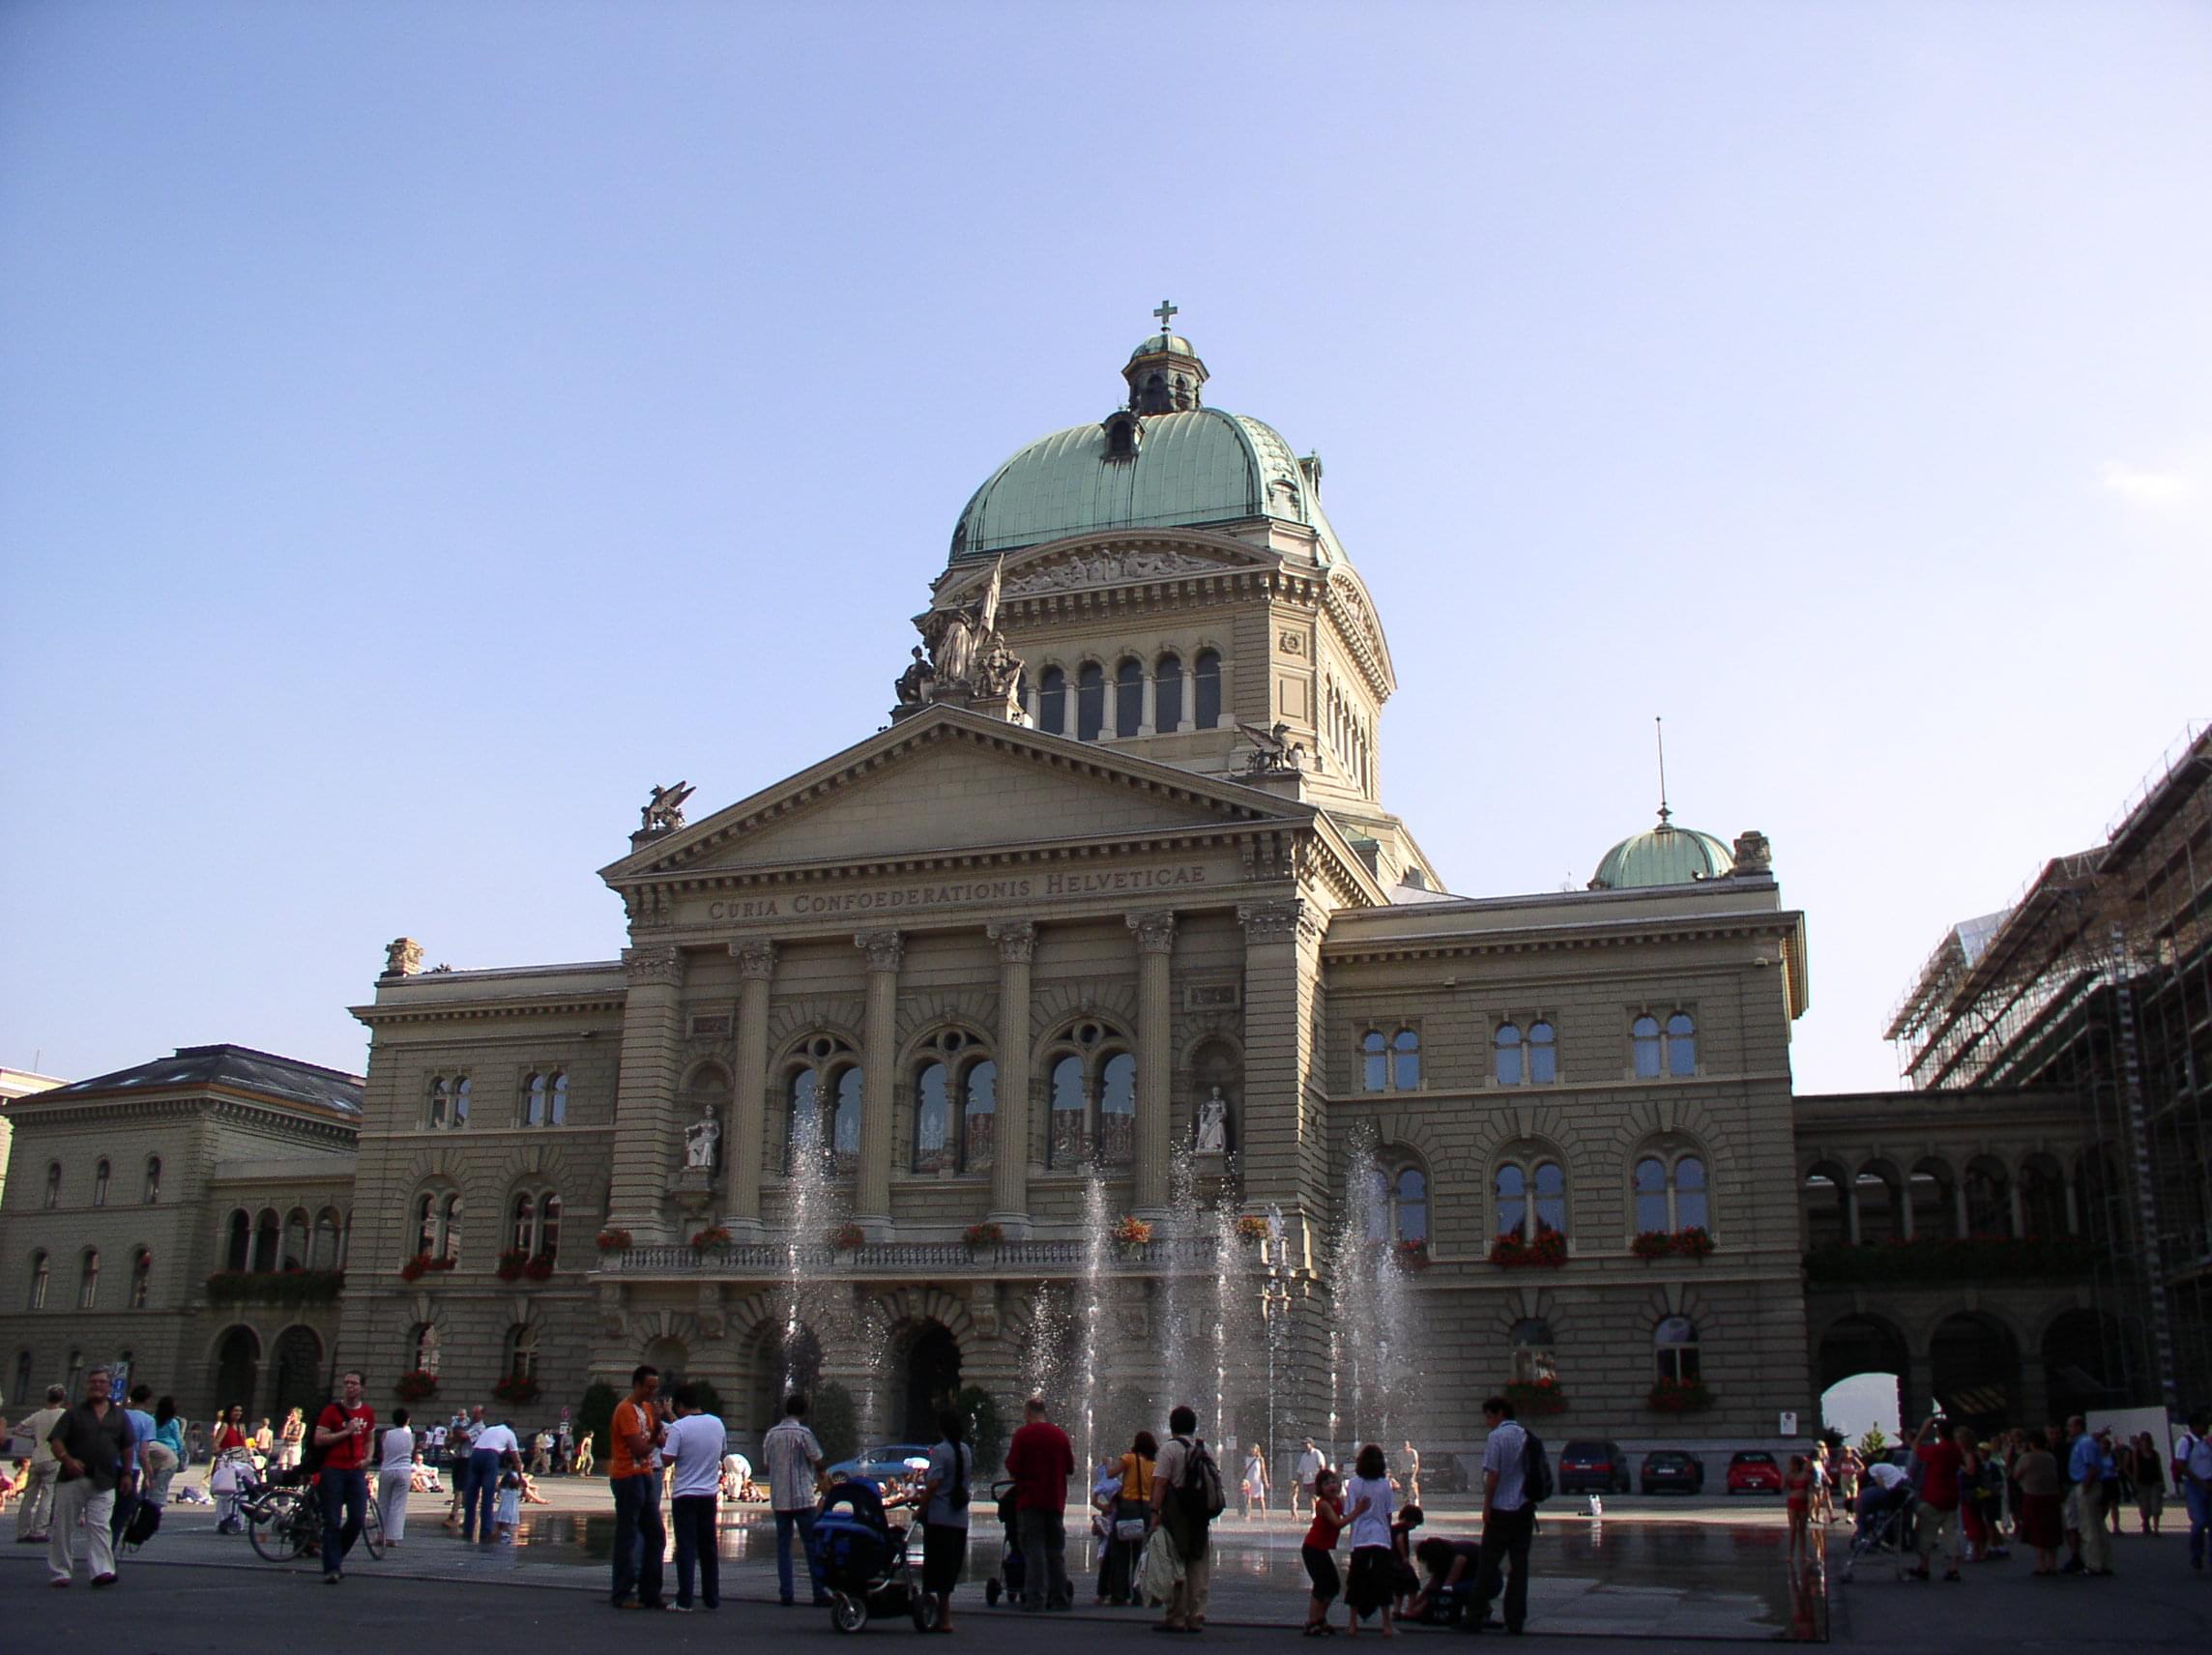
<point x="372" y="1528"/>
<point x="279" y="1527"/>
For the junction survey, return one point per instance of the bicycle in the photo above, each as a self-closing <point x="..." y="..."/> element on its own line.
<point x="285" y="1523"/>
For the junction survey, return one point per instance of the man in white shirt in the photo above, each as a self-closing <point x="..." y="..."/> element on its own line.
<point x="2193" y="1476"/>
<point x="794" y="1478"/>
<point x="1312" y="1461"/>
<point x="493" y="1445"/>
<point x="1508" y="1520"/>
<point x="693" y="1445"/>
<point x="37" y="1500"/>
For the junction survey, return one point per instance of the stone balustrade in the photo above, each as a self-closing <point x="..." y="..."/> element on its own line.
<point x="765" y="1260"/>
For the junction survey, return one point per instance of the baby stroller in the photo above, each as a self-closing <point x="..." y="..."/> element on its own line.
<point x="861" y="1558"/>
<point x="1884" y="1528"/>
<point x="1007" y="1582"/>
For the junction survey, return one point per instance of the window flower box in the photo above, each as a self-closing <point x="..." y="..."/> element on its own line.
<point x="1129" y="1231"/>
<point x="848" y="1235"/>
<point x="1679" y="1396"/>
<point x="417" y="1386"/>
<point x="1652" y="1245"/>
<point x="612" y="1241"/>
<point x="1252" y="1227"/>
<point x="512" y="1263"/>
<point x="985" y="1234"/>
<point x="516" y="1388"/>
<point x="713" y="1236"/>
<point x="423" y="1264"/>
<point x="1536" y="1396"/>
<point x="1547" y="1252"/>
<point x="280" y="1287"/>
<point x="1412" y="1255"/>
<point x="1944" y="1258"/>
<point x="539" y="1267"/>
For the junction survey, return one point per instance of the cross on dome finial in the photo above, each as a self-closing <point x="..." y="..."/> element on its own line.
<point x="1167" y="312"/>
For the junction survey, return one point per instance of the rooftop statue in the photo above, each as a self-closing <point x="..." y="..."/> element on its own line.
<point x="1273" y="752"/>
<point x="663" y="812"/>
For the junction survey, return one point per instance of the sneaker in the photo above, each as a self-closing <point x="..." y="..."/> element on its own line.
<point x="62" y="1582"/>
<point x="332" y="1577"/>
<point x="677" y="1608"/>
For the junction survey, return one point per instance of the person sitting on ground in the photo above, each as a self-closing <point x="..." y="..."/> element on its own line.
<point x="530" y="1494"/>
<point x="1405" y="1577"/>
<point x="1449" y="1570"/>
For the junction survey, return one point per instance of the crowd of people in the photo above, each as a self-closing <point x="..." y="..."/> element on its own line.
<point x="101" y="1468"/>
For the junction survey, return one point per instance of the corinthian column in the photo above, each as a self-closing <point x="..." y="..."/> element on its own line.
<point x="1155" y="945"/>
<point x="756" y="967"/>
<point x="879" y="1035"/>
<point x="644" y="1089"/>
<point x="1010" y="1153"/>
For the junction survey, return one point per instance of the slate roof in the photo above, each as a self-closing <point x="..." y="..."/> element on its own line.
<point x="240" y="1067"/>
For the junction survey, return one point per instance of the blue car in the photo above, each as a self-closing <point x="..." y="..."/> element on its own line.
<point x="882" y="1464"/>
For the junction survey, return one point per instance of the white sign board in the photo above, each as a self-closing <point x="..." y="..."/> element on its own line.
<point x="1788" y="1425"/>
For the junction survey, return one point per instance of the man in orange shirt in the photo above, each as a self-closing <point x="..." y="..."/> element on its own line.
<point x="634" y="1472"/>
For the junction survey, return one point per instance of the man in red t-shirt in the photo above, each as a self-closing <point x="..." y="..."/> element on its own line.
<point x="1944" y="1466"/>
<point x="343" y="1432"/>
<point x="1041" y="1460"/>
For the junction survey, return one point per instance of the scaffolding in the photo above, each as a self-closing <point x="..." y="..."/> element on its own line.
<point x="2097" y="979"/>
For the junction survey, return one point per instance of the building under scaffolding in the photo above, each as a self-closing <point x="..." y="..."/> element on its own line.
<point x="2097" y="981"/>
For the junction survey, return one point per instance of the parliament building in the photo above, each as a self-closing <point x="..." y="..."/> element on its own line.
<point x="1110" y="919"/>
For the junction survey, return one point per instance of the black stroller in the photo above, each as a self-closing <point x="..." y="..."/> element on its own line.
<point x="861" y="1558"/>
<point x="1884" y="1528"/>
<point x="1007" y="1582"/>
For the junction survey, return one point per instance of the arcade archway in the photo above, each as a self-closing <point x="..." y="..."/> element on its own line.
<point x="299" y="1374"/>
<point x="1863" y="1348"/>
<point x="237" y="1369"/>
<point x="1974" y="1371"/>
<point x="932" y="1369"/>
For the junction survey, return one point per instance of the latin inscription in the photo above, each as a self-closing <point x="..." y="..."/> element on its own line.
<point x="1046" y="886"/>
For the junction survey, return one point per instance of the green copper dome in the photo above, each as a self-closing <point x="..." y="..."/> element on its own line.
<point x="1667" y="855"/>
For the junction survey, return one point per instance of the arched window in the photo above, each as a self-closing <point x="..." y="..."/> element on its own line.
<point x="1669" y="1049"/>
<point x="1543" y="1054"/>
<point x="438" y="1224"/>
<point x="1410" y="1205"/>
<point x="845" y="1123"/>
<point x="267" y="1236"/>
<point x="1506" y="1054"/>
<point x="1675" y="1344"/>
<point x="822" y="1106"/>
<point x="238" y="1254"/>
<point x="1671" y="1198"/>
<point x="296" y="1240"/>
<point x="560" y="1104"/>
<point x="1988" y="1197"/>
<point x="1167" y="693"/>
<point x="425" y="1223"/>
<point x="1932" y="1193"/>
<point x="1374" y="1061"/>
<point x="1681" y="1044"/>
<point x="1063" y="1146"/>
<point x="1206" y="689"/>
<point x="1534" y="1347"/>
<point x="524" y="1229"/>
<point x="978" y="1115"/>
<point x="40" y="1270"/>
<point x="533" y="1100"/>
<point x="141" y="1277"/>
<point x="326" y="1232"/>
<point x="450" y="1227"/>
<point x="100" y="1184"/>
<point x="932" y="1121"/>
<point x="1530" y="1198"/>
<point x="422" y="1348"/>
<point x="803" y="1121"/>
<point x="1118" y="1110"/>
<point x="1128" y="697"/>
<point x="22" y="1374"/>
<point x="2042" y="1199"/>
<point x="461" y="1102"/>
<point x="1052" y="702"/>
<point x="153" y="1179"/>
<point x="1089" y="700"/>
<point x="1406" y="1060"/>
<point x="440" y="1107"/>
<point x="522" y="1351"/>
<point x="1821" y="1200"/>
<point x="88" y="1280"/>
<point x="53" y="1183"/>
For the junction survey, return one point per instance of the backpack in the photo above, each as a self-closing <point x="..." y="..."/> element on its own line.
<point x="1200" y="1494"/>
<point x="312" y="1453"/>
<point x="1536" y="1483"/>
<point x="140" y="1526"/>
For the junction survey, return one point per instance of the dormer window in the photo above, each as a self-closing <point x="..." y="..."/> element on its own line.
<point x="1152" y="395"/>
<point x="1125" y="436"/>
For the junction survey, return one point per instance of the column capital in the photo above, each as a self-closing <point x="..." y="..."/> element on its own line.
<point x="658" y="962"/>
<point x="1016" y="940"/>
<point x="1264" y="920"/>
<point x="886" y="950"/>
<point x="1156" y="930"/>
<point x="756" y="959"/>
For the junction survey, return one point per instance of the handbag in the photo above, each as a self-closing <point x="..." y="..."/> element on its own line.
<point x="1131" y="1530"/>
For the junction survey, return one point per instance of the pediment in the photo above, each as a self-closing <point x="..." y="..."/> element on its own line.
<point x="1108" y="559"/>
<point x="952" y="782"/>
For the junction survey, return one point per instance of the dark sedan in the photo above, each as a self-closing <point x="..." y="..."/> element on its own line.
<point x="1670" y="1470"/>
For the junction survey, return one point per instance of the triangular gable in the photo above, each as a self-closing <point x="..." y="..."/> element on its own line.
<point x="950" y="780"/>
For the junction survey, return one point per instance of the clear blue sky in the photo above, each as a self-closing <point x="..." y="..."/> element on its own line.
<point x="424" y="426"/>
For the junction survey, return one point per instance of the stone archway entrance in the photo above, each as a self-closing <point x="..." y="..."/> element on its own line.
<point x="932" y="1375"/>
<point x="1974" y="1371"/>
<point x="1862" y="1345"/>
<point x="299" y="1377"/>
<point x="237" y="1369"/>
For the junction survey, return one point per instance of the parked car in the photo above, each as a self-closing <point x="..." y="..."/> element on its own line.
<point x="1753" y="1472"/>
<point x="881" y="1463"/>
<point x="1589" y="1466"/>
<point x="1670" y="1470"/>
